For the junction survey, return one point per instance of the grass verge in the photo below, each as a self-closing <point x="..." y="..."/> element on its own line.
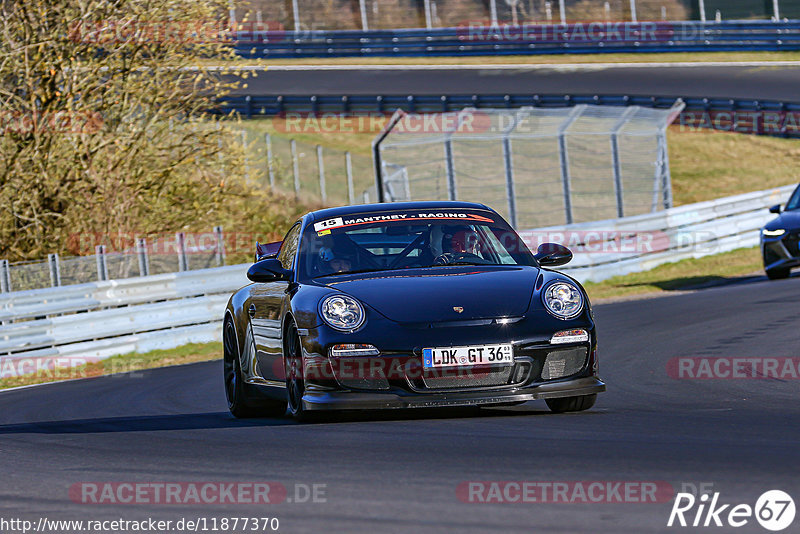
<point x="683" y="275"/>
<point x="194" y="352"/>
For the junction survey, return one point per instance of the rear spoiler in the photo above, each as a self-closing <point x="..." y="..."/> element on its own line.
<point x="267" y="250"/>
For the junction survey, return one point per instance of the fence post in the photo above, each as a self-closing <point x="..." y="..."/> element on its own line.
<point x="183" y="261"/>
<point x="296" y="17"/>
<point x="428" y="15"/>
<point x="5" y="277"/>
<point x="450" y="168"/>
<point x="777" y="10"/>
<point x="295" y="168"/>
<point x="246" y="159"/>
<point x="616" y="160"/>
<point x="364" y="21"/>
<point x="634" y="18"/>
<point x="141" y="252"/>
<point x="563" y="10"/>
<point x="102" y="266"/>
<point x="348" y="166"/>
<point x="220" y="246"/>
<point x="509" y="168"/>
<point x="493" y="11"/>
<point x="321" y="167"/>
<point x="270" y="168"/>
<point x="666" y="176"/>
<point x="563" y="156"/>
<point x="55" y="270"/>
<point x="702" y="8"/>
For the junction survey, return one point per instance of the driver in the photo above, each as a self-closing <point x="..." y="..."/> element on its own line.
<point x="457" y="242"/>
<point x="331" y="263"/>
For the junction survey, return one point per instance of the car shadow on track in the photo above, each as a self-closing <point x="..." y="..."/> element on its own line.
<point x="214" y="420"/>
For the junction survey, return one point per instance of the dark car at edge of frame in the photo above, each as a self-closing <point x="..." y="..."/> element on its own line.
<point x="780" y="239"/>
<point x="404" y="305"/>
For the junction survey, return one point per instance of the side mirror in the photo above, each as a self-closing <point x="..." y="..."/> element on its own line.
<point x="775" y="209"/>
<point x="267" y="250"/>
<point x="553" y="255"/>
<point x="269" y="270"/>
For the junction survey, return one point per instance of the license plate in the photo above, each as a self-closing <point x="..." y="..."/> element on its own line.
<point x="466" y="356"/>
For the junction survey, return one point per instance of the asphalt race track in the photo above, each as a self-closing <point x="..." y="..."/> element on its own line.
<point x="752" y="82"/>
<point x="399" y="472"/>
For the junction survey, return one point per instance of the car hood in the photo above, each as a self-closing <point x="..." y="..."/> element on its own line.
<point x="788" y="220"/>
<point x="433" y="295"/>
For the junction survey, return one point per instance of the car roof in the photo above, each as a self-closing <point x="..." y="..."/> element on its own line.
<point x="393" y="206"/>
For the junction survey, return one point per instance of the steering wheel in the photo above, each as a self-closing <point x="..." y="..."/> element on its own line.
<point x="449" y="258"/>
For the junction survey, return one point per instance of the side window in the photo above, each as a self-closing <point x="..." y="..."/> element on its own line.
<point x="289" y="248"/>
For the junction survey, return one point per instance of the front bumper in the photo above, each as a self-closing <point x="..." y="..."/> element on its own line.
<point x="351" y="400"/>
<point x="781" y="252"/>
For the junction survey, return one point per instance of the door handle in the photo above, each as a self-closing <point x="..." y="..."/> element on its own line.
<point x="252" y="310"/>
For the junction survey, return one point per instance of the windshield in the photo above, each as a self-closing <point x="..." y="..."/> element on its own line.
<point x="794" y="202"/>
<point x="409" y="240"/>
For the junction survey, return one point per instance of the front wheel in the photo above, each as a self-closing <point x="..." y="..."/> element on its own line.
<point x="571" y="404"/>
<point x="295" y="383"/>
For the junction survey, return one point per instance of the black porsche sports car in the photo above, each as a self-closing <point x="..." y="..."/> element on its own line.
<point x="420" y="304"/>
<point x="780" y="239"/>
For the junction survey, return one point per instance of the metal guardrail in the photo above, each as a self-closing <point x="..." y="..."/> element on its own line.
<point x="102" y="319"/>
<point x="579" y="38"/>
<point x="762" y="117"/>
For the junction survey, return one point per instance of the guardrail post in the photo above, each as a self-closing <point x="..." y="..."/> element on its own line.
<point x="428" y="15"/>
<point x="563" y="156"/>
<point x="563" y="10"/>
<point x="493" y="11"/>
<point x="5" y="277"/>
<point x="634" y="18"/>
<point x="702" y="8"/>
<point x="102" y="266"/>
<point x="777" y="10"/>
<point x="296" y="16"/>
<point x="348" y="166"/>
<point x="295" y="168"/>
<point x="141" y="253"/>
<point x="270" y="167"/>
<point x="183" y="261"/>
<point x="321" y="167"/>
<point x="220" y="254"/>
<point x="55" y="270"/>
<point x="364" y="21"/>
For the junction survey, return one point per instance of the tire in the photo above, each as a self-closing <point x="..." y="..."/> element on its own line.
<point x="295" y="384"/>
<point x="571" y="404"/>
<point x="239" y="403"/>
<point x="778" y="274"/>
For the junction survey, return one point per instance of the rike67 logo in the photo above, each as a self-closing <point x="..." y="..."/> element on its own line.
<point x="774" y="510"/>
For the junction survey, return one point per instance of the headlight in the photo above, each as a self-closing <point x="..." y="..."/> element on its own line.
<point x="773" y="233"/>
<point x="342" y="312"/>
<point x="563" y="300"/>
